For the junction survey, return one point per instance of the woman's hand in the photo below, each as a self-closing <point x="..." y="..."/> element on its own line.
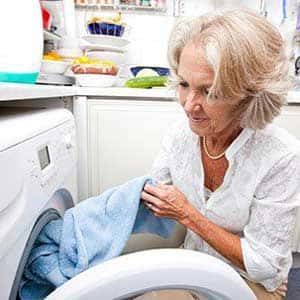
<point x="282" y="290"/>
<point x="166" y="201"/>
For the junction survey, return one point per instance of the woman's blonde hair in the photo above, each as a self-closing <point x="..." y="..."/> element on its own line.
<point x="248" y="57"/>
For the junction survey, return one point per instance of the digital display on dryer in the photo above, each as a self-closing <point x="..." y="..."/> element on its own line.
<point x="44" y="157"/>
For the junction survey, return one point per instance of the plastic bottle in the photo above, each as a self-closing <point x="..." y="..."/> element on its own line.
<point x="21" y="32"/>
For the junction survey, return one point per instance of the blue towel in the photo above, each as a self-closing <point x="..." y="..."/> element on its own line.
<point x="92" y="232"/>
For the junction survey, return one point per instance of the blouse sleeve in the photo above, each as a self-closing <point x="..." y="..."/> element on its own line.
<point x="266" y="244"/>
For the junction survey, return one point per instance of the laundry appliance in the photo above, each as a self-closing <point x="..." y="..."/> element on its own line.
<point x="37" y="182"/>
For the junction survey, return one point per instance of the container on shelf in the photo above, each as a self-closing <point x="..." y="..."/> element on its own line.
<point x="95" y="80"/>
<point x="145" y="2"/>
<point x="20" y="60"/>
<point x="106" y="28"/>
<point x="160" y="71"/>
<point x="54" y="67"/>
<point x="130" y="2"/>
<point x="117" y="58"/>
<point x="104" y="43"/>
<point x="69" y="48"/>
<point x="86" y="46"/>
<point x="98" y="24"/>
<point x="94" y="2"/>
<point x="47" y="18"/>
<point x="106" y="40"/>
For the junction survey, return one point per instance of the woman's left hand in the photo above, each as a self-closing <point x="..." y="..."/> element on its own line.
<point x="166" y="201"/>
<point x="282" y="290"/>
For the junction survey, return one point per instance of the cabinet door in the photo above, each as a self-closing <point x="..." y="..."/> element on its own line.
<point x="124" y="138"/>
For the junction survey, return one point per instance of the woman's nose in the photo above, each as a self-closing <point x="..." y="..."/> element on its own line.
<point x="192" y="102"/>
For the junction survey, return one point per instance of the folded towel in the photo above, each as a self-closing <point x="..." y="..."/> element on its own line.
<point x="92" y="232"/>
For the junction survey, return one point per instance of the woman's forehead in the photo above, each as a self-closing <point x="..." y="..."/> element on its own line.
<point x="194" y="66"/>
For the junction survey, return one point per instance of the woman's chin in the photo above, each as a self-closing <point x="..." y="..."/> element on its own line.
<point x="198" y="130"/>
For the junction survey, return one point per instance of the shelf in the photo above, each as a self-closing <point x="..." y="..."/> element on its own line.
<point x="141" y="8"/>
<point x="48" y="35"/>
<point x="122" y="7"/>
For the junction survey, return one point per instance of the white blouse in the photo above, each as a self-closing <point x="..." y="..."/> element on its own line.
<point x="257" y="200"/>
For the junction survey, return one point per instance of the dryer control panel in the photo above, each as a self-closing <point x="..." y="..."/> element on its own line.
<point x="53" y="154"/>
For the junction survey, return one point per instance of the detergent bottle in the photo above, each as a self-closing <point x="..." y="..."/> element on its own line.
<point x="21" y="34"/>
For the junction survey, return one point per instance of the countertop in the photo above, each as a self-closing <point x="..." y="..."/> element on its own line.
<point x="11" y="91"/>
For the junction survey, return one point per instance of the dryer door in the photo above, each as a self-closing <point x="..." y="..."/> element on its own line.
<point x="133" y="274"/>
<point x="20" y="252"/>
<point x="47" y="216"/>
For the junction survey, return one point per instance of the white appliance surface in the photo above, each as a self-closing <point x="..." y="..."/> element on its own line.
<point x="132" y="274"/>
<point x="38" y="182"/>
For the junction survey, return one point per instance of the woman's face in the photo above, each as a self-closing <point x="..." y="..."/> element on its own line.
<point x="196" y="78"/>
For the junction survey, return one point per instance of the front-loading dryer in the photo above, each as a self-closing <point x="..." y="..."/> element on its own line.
<point x="37" y="182"/>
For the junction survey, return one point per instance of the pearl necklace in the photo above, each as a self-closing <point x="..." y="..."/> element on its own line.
<point x="207" y="153"/>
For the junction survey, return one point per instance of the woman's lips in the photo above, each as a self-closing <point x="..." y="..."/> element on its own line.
<point x="197" y="119"/>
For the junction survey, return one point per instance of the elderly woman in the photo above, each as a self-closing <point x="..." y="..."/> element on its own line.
<point x="234" y="178"/>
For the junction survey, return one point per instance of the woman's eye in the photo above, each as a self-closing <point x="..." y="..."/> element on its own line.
<point x="184" y="84"/>
<point x="206" y="91"/>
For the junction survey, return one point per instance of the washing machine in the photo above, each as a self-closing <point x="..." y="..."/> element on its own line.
<point x="37" y="182"/>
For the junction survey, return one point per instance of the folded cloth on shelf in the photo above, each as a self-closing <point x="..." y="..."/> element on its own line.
<point x="92" y="232"/>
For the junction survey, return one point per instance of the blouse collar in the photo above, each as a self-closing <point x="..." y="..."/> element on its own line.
<point x="240" y="141"/>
